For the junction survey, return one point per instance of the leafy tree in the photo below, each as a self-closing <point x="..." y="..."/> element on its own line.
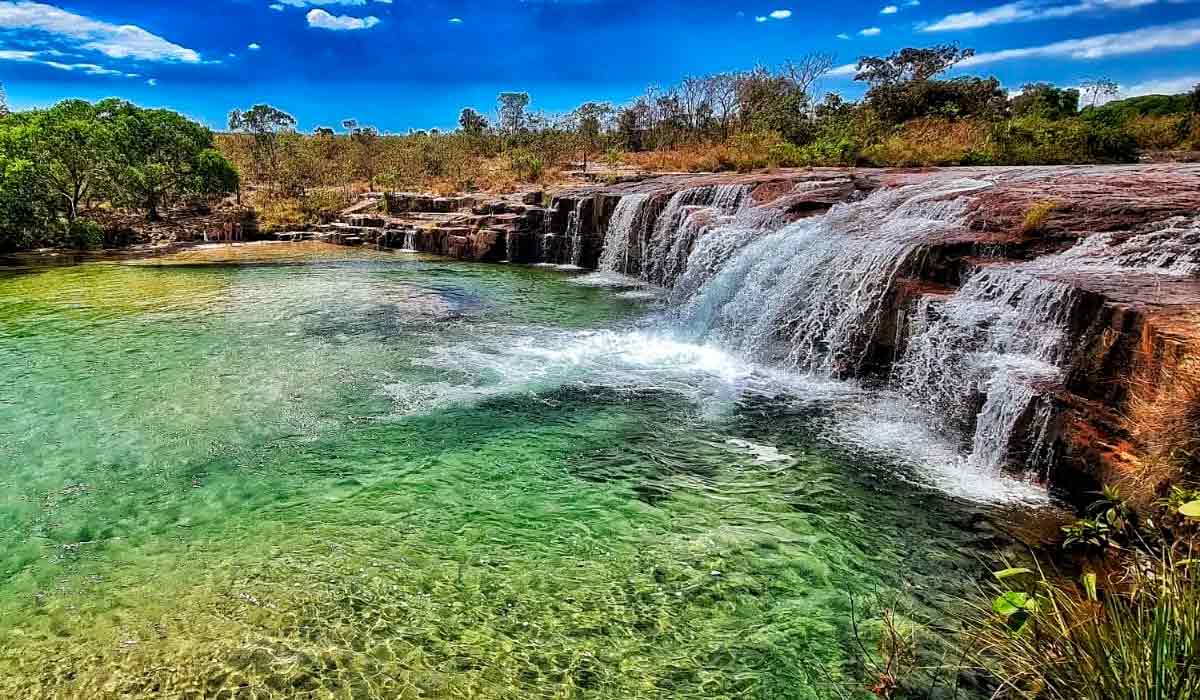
<point x="589" y="125"/>
<point x="27" y="209"/>
<point x="366" y="153"/>
<point x="629" y="127"/>
<point x="1194" y="99"/>
<point x="903" y="86"/>
<point x="774" y="103"/>
<point x="472" y="123"/>
<point x="323" y="131"/>
<point x="71" y="146"/>
<point x="1046" y="101"/>
<point x="512" y="108"/>
<point x="910" y="65"/>
<point x="266" y="125"/>
<point x="159" y="155"/>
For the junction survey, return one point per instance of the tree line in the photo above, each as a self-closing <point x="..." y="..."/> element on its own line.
<point x="59" y="164"/>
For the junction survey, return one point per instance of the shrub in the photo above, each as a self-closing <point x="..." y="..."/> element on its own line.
<point x="1036" y="217"/>
<point x="1037" y="141"/>
<point x="85" y="235"/>
<point x="527" y="165"/>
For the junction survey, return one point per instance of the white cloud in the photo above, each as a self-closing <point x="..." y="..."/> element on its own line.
<point x="456" y="20"/>
<point x="870" y="31"/>
<point x="152" y="82"/>
<point x="1028" y="11"/>
<point x="39" y="57"/>
<point x="114" y="41"/>
<point x="848" y="69"/>
<point x="253" y="47"/>
<point x="319" y="3"/>
<point x="781" y="14"/>
<point x="760" y="19"/>
<point x="889" y="10"/>
<point x="320" y="19"/>
<point x="844" y="36"/>
<point x="1167" y="36"/>
<point x="1161" y="86"/>
<point x="277" y="7"/>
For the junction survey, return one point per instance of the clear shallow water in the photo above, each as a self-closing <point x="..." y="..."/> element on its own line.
<point x="301" y="471"/>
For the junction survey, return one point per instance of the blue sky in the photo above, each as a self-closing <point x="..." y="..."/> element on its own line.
<point x="401" y="64"/>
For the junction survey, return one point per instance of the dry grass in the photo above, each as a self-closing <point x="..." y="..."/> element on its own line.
<point x="1037" y="215"/>
<point x="1163" y="410"/>
<point x="931" y="142"/>
<point x="743" y="153"/>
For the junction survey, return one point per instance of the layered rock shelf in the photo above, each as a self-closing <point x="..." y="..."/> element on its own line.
<point x="1123" y="402"/>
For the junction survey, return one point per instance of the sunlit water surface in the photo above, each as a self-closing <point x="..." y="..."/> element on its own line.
<point x="300" y="471"/>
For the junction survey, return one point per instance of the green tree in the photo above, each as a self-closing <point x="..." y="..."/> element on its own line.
<point x="160" y="155"/>
<point x="71" y="146"/>
<point x="910" y="65"/>
<point x="472" y="123"/>
<point x="589" y="119"/>
<point x="1045" y="101"/>
<point x="512" y="108"/>
<point x="904" y="86"/>
<point x="367" y="145"/>
<point x="774" y="103"/>
<point x="266" y="125"/>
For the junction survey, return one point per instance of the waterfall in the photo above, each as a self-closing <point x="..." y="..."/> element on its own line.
<point x="986" y="358"/>
<point x="812" y="295"/>
<point x="663" y="253"/>
<point x="575" y="236"/>
<point x="623" y="230"/>
<point x="984" y="362"/>
<point x="410" y="240"/>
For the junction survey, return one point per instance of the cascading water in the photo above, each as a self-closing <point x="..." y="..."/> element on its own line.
<point x="815" y="295"/>
<point x="666" y="250"/>
<point x="812" y="294"/>
<point x="818" y="295"/>
<point x="626" y="221"/>
<point x="575" y="236"/>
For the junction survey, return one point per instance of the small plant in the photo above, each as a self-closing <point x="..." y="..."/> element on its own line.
<point x="1064" y="640"/>
<point x="85" y="235"/>
<point x="1037" y="215"/>
<point x="1111" y="524"/>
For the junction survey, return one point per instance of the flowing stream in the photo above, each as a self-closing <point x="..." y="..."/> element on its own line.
<point x="295" y="470"/>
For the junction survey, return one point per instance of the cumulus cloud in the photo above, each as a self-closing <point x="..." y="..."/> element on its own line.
<point x="456" y="20"/>
<point x="253" y="47"/>
<point x="1028" y="11"/>
<point x="889" y="10"/>
<point x="844" y="36"/>
<point x="781" y="14"/>
<point x="320" y="19"/>
<point x="84" y="33"/>
<point x="870" y="31"/>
